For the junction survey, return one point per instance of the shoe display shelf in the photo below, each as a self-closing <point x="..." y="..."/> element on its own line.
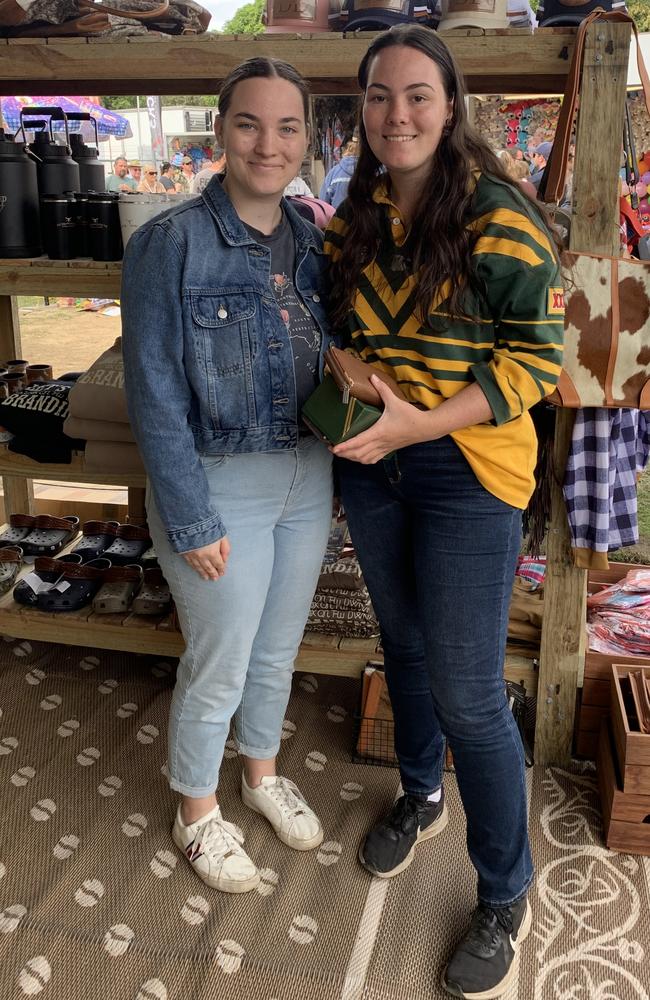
<point x="511" y="61"/>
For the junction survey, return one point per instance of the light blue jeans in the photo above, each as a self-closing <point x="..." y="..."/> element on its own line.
<point x="242" y="632"/>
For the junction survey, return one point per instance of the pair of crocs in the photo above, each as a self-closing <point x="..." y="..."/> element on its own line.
<point x="75" y="588"/>
<point x="154" y="597"/>
<point x="96" y="537"/>
<point x="11" y="559"/>
<point x="42" y="535"/>
<point x="123" y="544"/>
<point x="46" y="572"/>
<point x="117" y="590"/>
<point x="19" y="525"/>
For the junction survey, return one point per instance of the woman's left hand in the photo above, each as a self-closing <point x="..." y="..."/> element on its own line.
<point x="400" y="424"/>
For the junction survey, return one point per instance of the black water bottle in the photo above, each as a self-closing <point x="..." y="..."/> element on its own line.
<point x="91" y="171"/>
<point x="19" y="209"/>
<point x="80" y="210"/>
<point x="58" y="226"/>
<point x="57" y="171"/>
<point x="104" y="232"/>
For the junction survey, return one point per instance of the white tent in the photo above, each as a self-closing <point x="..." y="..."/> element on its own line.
<point x="632" y="72"/>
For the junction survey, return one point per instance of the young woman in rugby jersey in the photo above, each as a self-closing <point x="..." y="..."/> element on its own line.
<point x="445" y="275"/>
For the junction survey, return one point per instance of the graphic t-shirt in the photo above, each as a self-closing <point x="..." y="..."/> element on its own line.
<point x="304" y="334"/>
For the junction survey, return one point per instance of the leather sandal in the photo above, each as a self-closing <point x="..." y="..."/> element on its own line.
<point x="44" y="575"/>
<point x="76" y="587"/>
<point x="117" y="590"/>
<point x="19" y="526"/>
<point x="154" y="597"/>
<point x="130" y="542"/>
<point x="11" y="558"/>
<point x="49" y="534"/>
<point x="96" y="538"/>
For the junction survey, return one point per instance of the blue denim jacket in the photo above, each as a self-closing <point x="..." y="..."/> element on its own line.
<point x="207" y="356"/>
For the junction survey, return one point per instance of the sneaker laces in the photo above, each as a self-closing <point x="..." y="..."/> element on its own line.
<point x="287" y="796"/>
<point x="218" y="838"/>
<point x="483" y="932"/>
<point x="404" y="813"/>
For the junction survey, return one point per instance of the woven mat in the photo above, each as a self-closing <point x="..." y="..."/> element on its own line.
<point x="95" y="901"/>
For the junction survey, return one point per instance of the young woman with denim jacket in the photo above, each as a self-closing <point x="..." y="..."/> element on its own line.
<point x="224" y="332"/>
<point x="445" y="276"/>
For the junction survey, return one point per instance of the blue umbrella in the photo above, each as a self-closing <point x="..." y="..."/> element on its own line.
<point x="108" y="122"/>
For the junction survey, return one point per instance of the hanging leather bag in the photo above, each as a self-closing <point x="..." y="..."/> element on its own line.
<point x="607" y="299"/>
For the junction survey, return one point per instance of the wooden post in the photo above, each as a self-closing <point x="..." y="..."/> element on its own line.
<point x="595" y="230"/>
<point x="18" y="493"/>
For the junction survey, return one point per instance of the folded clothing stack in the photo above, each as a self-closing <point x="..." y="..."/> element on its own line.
<point x="35" y="415"/>
<point x="99" y="416"/>
<point x="526" y="613"/>
<point x="341" y="604"/>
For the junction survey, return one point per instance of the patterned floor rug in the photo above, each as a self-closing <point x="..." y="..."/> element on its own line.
<point x="96" y="903"/>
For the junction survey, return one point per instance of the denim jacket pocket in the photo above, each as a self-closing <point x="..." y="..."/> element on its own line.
<point x="226" y="346"/>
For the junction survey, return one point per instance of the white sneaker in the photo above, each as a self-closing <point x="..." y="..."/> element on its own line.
<point x="280" y="801"/>
<point x="213" y="848"/>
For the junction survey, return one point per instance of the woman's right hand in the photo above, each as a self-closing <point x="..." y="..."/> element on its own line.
<point x="209" y="561"/>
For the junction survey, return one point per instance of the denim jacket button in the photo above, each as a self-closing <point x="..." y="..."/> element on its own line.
<point x="316" y="297"/>
<point x="222" y="313"/>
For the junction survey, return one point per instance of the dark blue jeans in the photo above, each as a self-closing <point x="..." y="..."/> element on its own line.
<point x="438" y="553"/>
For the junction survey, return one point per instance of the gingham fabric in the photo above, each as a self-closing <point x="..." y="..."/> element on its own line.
<point x="608" y="450"/>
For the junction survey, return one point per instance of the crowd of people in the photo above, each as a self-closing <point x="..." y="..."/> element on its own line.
<point x="131" y="176"/>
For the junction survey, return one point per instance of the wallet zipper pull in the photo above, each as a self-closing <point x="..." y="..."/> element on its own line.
<point x="346" y="394"/>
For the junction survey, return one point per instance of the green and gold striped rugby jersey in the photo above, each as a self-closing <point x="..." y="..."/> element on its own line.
<point x="509" y="341"/>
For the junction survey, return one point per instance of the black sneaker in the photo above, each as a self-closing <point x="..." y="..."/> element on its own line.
<point x="482" y="965"/>
<point x="390" y="846"/>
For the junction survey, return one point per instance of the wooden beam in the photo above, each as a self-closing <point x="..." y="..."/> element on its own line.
<point x="40" y="276"/>
<point x="594" y="229"/>
<point x="18" y="494"/>
<point x="492" y="62"/>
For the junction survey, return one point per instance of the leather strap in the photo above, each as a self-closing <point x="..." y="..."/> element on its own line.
<point x="21" y="520"/>
<point x="120" y="574"/>
<point x="644" y="398"/>
<point x="45" y="522"/>
<point x="615" y="320"/>
<point x="100" y="528"/>
<point x="157" y="10"/>
<point x="565" y="393"/>
<point x="85" y="571"/>
<point x="554" y="179"/>
<point x="133" y="531"/>
<point x="11" y="554"/>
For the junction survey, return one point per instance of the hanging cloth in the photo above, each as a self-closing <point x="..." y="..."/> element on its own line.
<point x="609" y="449"/>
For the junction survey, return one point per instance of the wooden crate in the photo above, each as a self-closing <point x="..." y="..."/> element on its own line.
<point x="632" y="746"/>
<point x="596" y="691"/>
<point x="626" y="815"/>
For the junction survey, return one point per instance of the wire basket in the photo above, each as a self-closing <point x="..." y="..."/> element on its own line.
<point x="374" y="742"/>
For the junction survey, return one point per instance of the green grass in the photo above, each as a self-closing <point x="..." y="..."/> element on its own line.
<point x="28" y="301"/>
<point x="639" y="553"/>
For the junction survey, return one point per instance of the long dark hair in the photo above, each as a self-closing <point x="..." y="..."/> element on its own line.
<point x="441" y="243"/>
<point x="264" y="67"/>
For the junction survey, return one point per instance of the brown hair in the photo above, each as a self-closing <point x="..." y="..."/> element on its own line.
<point x="442" y="243"/>
<point x="261" y="66"/>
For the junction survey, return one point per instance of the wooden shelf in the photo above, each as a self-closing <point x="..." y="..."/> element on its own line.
<point x="12" y="464"/>
<point x="157" y="636"/>
<point x="492" y="61"/>
<point x="41" y="276"/>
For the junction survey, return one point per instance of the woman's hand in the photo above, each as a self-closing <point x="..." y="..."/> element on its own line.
<point x="210" y="560"/>
<point x="400" y="424"/>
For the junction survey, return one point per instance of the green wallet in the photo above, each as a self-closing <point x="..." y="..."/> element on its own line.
<point x="331" y="419"/>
